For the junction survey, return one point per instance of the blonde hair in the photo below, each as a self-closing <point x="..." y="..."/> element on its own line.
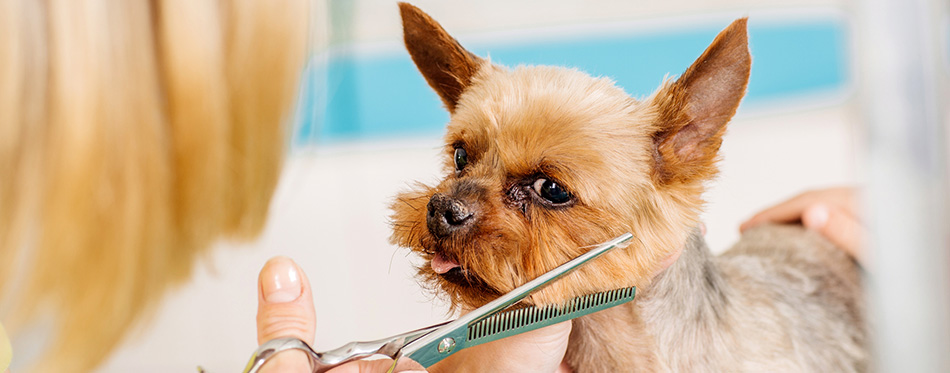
<point x="132" y="135"/>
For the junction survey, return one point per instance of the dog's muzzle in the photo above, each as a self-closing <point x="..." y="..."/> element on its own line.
<point x="447" y="215"/>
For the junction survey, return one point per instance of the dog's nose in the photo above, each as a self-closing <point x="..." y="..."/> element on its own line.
<point x="446" y="215"/>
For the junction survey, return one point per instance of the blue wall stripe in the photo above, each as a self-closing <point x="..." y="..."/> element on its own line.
<point x="384" y="96"/>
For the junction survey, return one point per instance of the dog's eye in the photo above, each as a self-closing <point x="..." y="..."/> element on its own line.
<point x="461" y="159"/>
<point x="550" y="191"/>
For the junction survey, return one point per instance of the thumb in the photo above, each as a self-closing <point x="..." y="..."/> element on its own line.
<point x="285" y="309"/>
<point x="839" y="227"/>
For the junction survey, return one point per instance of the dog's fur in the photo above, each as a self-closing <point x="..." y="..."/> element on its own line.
<point x="782" y="299"/>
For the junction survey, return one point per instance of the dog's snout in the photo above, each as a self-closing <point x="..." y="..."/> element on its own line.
<point x="447" y="215"/>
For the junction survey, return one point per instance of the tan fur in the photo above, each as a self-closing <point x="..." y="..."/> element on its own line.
<point x="631" y="166"/>
<point x="132" y="134"/>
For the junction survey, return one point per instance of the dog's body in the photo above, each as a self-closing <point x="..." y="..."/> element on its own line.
<point x="782" y="300"/>
<point x="544" y="161"/>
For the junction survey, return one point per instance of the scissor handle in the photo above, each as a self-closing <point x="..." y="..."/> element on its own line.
<point x="323" y="361"/>
<point x="274" y="346"/>
<point x="353" y="351"/>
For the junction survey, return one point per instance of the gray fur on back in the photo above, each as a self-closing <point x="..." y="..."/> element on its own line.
<point x="783" y="299"/>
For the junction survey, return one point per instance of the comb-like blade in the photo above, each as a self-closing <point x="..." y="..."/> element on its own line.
<point x="508" y="323"/>
<point x="442" y="342"/>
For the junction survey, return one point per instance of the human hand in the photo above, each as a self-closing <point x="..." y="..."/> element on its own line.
<point x="832" y="212"/>
<point x="285" y="309"/>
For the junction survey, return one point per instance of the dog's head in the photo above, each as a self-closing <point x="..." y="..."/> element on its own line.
<point x="543" y="162"/>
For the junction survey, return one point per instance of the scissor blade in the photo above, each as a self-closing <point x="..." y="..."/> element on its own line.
<point x="435" y="346"/>
<point x="514" y="322"/>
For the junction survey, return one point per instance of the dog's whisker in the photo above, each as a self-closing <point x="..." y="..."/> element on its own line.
<point x="404" y="201"/>
<point x="391" y="258"/>
<point x="413" y="232"/>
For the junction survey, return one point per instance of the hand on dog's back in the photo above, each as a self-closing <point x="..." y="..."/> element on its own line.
<point x="832" y="212"/>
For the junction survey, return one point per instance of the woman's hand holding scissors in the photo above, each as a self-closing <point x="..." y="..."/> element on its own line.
<point x="285" y="309"/>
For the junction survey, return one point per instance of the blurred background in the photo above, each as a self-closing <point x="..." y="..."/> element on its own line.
<point x="368" y="126"/>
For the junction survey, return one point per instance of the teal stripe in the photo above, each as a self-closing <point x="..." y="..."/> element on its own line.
<point x="384" y="96"/>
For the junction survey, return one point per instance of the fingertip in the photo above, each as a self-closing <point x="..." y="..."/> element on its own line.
<point x="280" y="280"/>
<point x="816" y="217"/>
<point x="843" y="230"/>
<point x="285" y="304"/>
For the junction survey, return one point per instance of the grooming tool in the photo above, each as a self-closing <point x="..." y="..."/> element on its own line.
<point x="488" y="323"/>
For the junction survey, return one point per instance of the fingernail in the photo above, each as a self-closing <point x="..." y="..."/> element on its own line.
<point x="816" y="217"/>
<point x="280" y="281"/>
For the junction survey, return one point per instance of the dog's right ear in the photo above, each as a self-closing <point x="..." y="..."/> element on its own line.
<point x="695" y="108"/>
<point x="447" y="66"/>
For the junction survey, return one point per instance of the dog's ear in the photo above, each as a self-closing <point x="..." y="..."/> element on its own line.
<point x="695" y="108"/>
<point x="447" y="66"/>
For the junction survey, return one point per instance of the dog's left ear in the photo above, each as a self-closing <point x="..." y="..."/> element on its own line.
<point x="695" y="108"/>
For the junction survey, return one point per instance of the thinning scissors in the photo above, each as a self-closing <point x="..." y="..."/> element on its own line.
<point x="430" y="345"/>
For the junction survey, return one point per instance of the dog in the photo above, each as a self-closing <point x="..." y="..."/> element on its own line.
<point x="542" y="162"/>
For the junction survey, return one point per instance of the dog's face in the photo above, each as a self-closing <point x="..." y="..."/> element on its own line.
<point x="541" y="163"/>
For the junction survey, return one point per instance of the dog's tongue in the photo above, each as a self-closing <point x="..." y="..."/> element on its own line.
<point x="442" y="264"/>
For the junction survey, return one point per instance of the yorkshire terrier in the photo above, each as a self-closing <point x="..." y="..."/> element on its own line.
<point x="542" y="162"/>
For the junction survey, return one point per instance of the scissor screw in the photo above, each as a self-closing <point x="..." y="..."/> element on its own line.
<point x="446" y="345"/>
